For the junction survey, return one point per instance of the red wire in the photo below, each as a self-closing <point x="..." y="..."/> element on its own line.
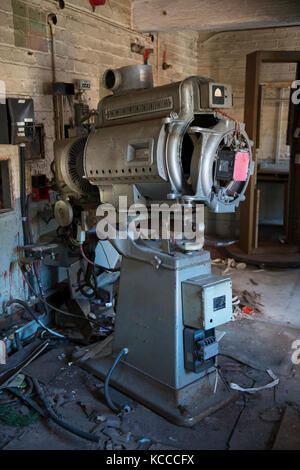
<point x="232" y="119"/>
<point x="94" y="264"/>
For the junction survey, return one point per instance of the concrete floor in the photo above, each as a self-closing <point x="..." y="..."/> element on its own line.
<point x="252" y="422"/>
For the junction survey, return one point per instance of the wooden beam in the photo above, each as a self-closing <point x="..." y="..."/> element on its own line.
<point x="276" y="84"/>
<point x="280" y="56"/>
<point x="248" y="219"/>
<point x="213" y="15"/>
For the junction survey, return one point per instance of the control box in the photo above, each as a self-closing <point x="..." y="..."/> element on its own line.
<point x="62" y="88"/>
<point x="231" y="165"/>
<point x="84" y="84"/>
<point x="216" y="95"/>
<point x="4" y="128"/>
<point x="206" y="301"/>
<point x="21" y="118"/>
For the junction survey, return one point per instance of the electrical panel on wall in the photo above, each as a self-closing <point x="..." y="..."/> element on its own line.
<point x="4" y="126"/>
<point x="21" y="114"/>
<point x="17" y="121"/>
<point x="84" y="84"/>
<point x="35" y="150"/>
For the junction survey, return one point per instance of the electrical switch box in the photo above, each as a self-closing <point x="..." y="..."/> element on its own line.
<point x="21" y="118"/>
<point x="62" y="88"/>
<point x="4" y="128"/>
<point x="206" y="301"/>
<point x="200" y="349"/>
<point x="225" y="165"/>
<point x="84" y="84"/>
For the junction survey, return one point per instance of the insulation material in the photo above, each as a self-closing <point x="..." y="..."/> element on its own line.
<point x="258" y="389"/>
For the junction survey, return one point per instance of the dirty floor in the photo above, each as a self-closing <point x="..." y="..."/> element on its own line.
<point x="268" y="419"/>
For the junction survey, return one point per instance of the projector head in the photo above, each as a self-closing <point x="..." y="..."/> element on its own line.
<point x="168" y="142"/>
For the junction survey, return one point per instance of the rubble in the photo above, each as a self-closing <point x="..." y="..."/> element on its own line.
<point x="229" y="264"/>
<point x="246" y="303"/>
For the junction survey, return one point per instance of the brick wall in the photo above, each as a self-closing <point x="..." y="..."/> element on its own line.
<point x="222" y="56"/>
<point x="87" y="44"/>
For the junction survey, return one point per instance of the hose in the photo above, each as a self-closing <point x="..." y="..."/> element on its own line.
<point x="26" y="399"/>
<point x="60" y="422"/>
<point x="50" y="412"/>
<point x="113" y="406"/>
<point x="32" y="314"/>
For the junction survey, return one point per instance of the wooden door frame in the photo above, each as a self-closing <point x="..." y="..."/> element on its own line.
<point x="249" y="208"/>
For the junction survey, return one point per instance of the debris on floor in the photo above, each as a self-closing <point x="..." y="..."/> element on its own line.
<point x="229" y="264"/>
<point x="76" y="397"/>
<point x="99" y="349"/>
<point x="246" y="303"/>
<point x="247" y="310"/>
<point x="272" y="384"/>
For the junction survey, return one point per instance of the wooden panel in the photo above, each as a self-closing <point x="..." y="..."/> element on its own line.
<point x="213" y="15"/>
<point x="280" y="56"/>
<point x="256" y="220"/>
<point x="248" y="212"/>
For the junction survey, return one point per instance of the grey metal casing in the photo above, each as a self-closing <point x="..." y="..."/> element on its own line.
<point x="149" y="317"/>
<point x="207" y="301"/>
<point x="139" y="142"/>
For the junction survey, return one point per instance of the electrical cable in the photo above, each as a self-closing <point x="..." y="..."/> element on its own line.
<point x="244" y="363"/>
<point x="94" y="264"/>
<point x="30" y="238"/>
<point x="237" y="126"/>
<point x="113" y="406"/>
<point x="49" y="413"/>
<point x="63" y="312"/>
<point x="32" y="314"/>
<point x="26" y="399"/>
<point x="41" y="297"/>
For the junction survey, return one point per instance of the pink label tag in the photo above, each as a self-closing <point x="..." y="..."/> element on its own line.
<point x="241" y="165"/>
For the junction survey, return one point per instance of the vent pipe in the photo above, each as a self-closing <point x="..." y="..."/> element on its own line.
<point x="132" y="77"/>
